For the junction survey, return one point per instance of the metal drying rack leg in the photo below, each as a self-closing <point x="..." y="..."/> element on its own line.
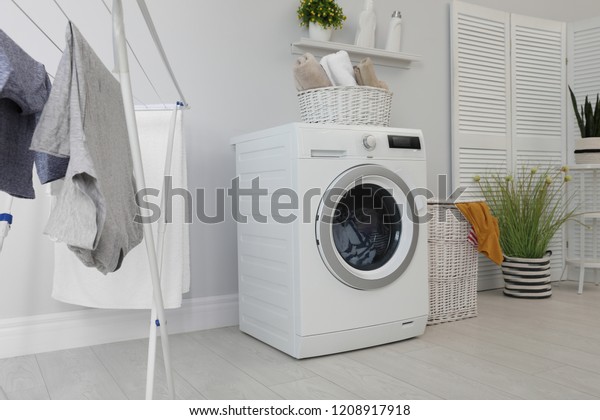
<point x="162" y="229"/>
<point x="122" y="67"/>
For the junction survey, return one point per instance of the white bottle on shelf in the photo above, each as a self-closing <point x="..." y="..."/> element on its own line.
<point x="367" y="21"/>
<point x="394" y="38"/>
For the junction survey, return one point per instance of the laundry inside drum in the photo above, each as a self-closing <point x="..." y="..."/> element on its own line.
<point x="367" y="226"/>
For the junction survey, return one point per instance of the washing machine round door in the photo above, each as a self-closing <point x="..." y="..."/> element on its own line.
<point x="367" y="227"/>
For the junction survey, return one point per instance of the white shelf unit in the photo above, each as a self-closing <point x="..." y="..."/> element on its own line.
<point x="380" y="57"/>
<point x="583" y="234"/>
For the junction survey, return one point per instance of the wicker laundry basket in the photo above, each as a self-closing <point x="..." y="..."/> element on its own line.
<point x="350" y="105"/>
<point x="452" y="266"/>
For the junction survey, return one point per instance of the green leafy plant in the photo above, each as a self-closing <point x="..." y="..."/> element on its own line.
<point x="530" y="208"/>
<point x="588" y="119"/>
<point x="326" y="13"/>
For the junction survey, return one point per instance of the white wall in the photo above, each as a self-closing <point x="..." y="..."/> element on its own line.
<point x="243" y="82"/>
<point x="232" y="58"/>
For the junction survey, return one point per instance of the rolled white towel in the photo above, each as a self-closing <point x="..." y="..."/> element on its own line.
<point x="339" y="69"/>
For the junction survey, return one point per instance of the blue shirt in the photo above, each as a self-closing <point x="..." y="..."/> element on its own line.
<point x="24" y="90"/>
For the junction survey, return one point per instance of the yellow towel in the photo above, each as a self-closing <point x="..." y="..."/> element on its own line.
<point x="486" y="229"/>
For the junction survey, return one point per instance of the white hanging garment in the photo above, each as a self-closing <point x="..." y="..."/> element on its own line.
<point x="130" y="287"/>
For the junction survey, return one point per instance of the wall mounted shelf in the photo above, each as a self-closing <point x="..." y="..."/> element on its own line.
<point x="380" y="57"/>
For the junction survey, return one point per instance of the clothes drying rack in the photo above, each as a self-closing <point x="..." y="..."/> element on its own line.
<point x="158" y="319"/>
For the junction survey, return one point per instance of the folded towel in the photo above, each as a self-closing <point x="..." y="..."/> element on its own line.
<point x="339" y="69"/>
<point x="383" y="85"/>
<point x="486" y="229"/>
<point x="309" y="74"/>
<point x="365" y="75"/>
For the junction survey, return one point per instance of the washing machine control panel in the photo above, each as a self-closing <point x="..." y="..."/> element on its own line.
<point x="341" y="141"/>
<point x="369" y="142"/>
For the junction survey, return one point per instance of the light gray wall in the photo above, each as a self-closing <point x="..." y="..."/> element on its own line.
<point x="232" y="58"/>
<point x="243" y="82"/>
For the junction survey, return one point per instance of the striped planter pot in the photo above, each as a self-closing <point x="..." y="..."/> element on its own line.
<point x="587" y="150"/>
<point x="527" y="277"/>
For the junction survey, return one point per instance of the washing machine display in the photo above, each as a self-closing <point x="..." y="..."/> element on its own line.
<point x="366" y="230"/>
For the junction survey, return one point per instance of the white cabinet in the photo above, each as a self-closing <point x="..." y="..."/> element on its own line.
<point x="583" y="233"/>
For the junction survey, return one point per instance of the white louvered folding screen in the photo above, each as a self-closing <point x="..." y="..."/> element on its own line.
<point x="538" y="69"/>
<point x="508" y="87"/>
<point x="481" y="89"/>
<point x="481" y="103"/>
<point x="538" y="83"/>
<point x="475" y="162"/>
<point x="482" y="72"/>
<point x="583" y="47"/>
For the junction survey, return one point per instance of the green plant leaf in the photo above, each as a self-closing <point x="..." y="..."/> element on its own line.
<point x="589" y="118"/>
<point x="596" y="131"/>
<point x="327" y="13"/>
<point x="577" y="114"/>
<point x="530" y="208"/>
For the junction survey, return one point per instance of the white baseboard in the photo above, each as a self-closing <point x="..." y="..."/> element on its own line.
<point x="59" y="331"/>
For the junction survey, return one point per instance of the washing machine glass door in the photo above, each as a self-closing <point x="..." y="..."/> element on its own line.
<point x="367" y="227"/>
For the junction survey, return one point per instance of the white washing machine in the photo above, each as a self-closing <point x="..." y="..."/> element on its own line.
<point x="331" y="257"/>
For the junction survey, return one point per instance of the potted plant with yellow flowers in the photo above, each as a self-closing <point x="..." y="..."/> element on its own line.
<point x="321" y="17"/>
<point x="531" y="208"/>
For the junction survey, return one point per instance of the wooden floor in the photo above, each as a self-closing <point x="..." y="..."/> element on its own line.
<point x="514" y="349"/>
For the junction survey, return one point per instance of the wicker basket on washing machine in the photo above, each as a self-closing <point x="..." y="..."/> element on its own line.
<point x="350" y="105"/>
<point x="452" y="266"/>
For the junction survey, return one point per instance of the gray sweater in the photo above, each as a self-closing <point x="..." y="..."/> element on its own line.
<point x="85" y="119"/>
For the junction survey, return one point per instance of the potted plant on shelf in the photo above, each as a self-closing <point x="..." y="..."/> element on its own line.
<point x="321" y="17"/>
<point x="587" y="149"/>
<point x="530" y="208"/>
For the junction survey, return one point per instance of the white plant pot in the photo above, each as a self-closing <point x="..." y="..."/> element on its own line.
<point x="317" y="33"/>
<point x="527" y="277"/>
<point x="587" y="150"/>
